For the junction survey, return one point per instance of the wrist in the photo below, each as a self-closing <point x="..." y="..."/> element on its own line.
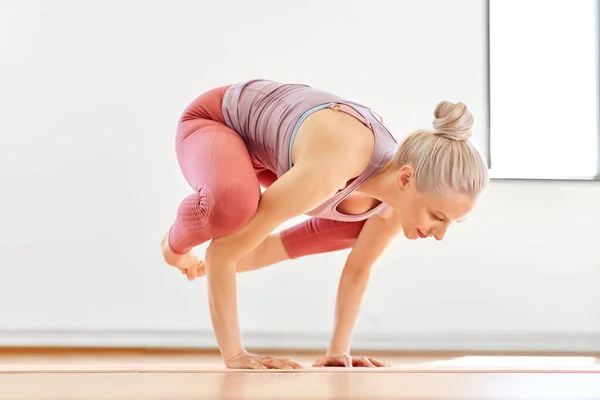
<point x="338" y="351"/>
<point x="340" y="342"/>
<point x="229" y="358"/>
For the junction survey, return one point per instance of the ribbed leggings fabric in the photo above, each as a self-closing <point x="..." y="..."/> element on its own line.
<point x="226" y="187"/>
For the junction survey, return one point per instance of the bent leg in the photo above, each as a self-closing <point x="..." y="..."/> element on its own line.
<point x="319" y="235"/>
<point x="313" y="236"/>
<point x="216" y="164"/>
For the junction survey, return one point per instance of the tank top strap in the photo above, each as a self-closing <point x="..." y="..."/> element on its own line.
<point x="349" y="108"/>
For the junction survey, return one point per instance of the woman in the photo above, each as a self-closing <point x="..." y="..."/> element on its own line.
<point x="316" y="154"/>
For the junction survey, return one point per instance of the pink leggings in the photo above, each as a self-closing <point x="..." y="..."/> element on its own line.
<point x="226" y="182"/>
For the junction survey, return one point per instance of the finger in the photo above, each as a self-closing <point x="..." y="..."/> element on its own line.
<point x="377" y="363"/>
<point x="255" y="364"/>
<point x="348" y="362"/>
<point x="284" y="361"/>
<point x="320" y="362"/>
<point x="336" y="361"/>
<point x="366" y="363"/>
<point x="245" y="364"/>
<point x="275" y="364"/>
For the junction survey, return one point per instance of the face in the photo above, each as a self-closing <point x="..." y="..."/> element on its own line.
<point x="424" y="215"/>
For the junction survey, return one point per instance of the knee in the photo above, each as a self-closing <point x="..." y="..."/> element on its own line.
<point x="232" y="207"/>
<point x="217" y="211"/>
<point x="193" y="212"/>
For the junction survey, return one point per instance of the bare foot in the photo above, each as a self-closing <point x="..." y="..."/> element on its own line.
<point x="192" y="267"/>
<point x="189" y="264"/>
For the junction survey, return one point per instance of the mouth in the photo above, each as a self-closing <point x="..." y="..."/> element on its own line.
<point x="421" y="235"/>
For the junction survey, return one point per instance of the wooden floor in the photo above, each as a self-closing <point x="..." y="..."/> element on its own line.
<point x="135" y="374"/>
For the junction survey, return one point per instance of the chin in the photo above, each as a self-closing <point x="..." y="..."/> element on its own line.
<point x="411" y="234"/>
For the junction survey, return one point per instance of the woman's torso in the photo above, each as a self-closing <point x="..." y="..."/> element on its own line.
<point x="268" y="115"/>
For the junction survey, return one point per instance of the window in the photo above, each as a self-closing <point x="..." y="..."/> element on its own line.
<point x="544" y="89"/>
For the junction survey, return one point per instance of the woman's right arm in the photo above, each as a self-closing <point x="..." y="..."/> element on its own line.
<point x="300" y="190"/>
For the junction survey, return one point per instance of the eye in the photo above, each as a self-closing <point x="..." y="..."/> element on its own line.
<point x="437" y="218"/>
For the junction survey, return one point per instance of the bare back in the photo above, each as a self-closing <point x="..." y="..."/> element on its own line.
<point x="345" y="144"/>
<point x="287" y="124"/>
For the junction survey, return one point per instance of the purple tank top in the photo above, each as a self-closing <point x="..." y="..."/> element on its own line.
<point x="267" y="115"/>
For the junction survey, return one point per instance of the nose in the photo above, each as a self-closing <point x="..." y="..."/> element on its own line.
<point x="440" y="232"/>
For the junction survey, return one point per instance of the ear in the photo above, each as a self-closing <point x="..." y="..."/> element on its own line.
<point x="404" y="177"/>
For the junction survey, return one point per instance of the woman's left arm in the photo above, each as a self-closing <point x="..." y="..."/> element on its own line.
<point x="374" y="238"/>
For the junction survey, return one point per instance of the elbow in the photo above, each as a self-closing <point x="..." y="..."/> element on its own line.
<point x="218" y="254"/>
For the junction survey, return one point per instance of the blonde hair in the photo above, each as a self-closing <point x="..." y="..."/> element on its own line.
<point x="444" y="158"/>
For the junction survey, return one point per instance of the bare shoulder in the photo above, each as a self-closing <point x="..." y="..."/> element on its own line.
<point x="339" y="141"/>
<point x="390" y="218"/>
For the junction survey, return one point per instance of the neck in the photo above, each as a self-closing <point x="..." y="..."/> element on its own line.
<point x="378" y="186"/>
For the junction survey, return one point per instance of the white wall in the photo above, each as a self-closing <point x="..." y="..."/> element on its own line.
<point x="89" y="96"/>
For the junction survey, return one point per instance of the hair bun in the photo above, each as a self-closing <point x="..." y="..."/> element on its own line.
<point x="453" y="121"/>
